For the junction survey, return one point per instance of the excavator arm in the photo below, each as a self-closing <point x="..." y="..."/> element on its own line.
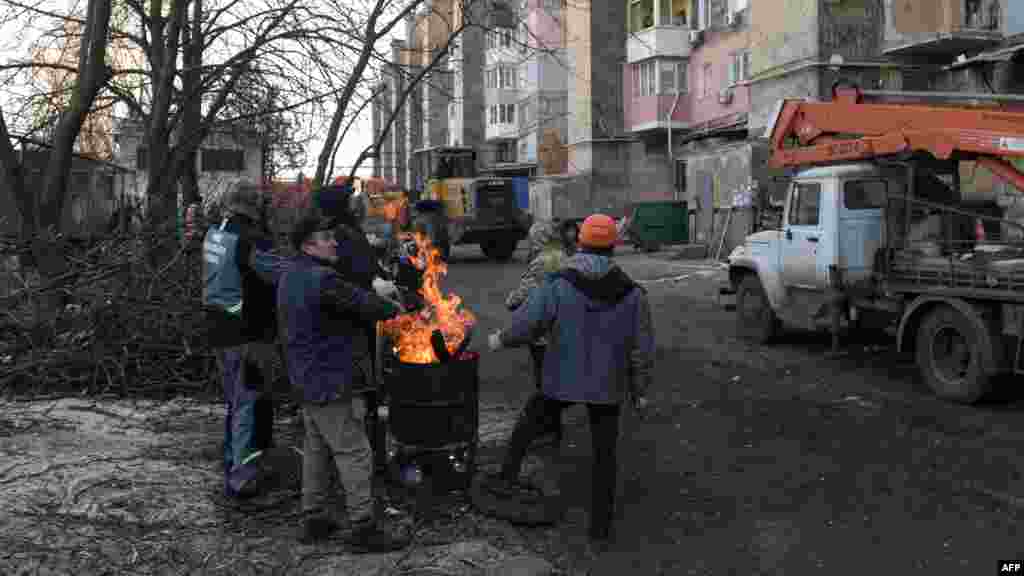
<point x="848" y="129"/>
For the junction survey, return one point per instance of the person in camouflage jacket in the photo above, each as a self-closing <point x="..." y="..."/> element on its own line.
<point x="546" y="256"/>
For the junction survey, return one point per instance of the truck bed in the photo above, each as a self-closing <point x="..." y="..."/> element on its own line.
<point x="988" y="274"/>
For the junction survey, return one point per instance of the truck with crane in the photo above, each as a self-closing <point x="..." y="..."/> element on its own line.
<point x="874" y="232"/>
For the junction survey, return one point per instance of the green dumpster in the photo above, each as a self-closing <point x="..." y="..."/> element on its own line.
<point x="653" y="224"/>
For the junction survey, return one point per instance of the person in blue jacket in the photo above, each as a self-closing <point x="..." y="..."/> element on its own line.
<point x="242" y="324"/>
<point x="357" y="263"/>
<point x="322" y="317"/>
<point x="600" y="354"/>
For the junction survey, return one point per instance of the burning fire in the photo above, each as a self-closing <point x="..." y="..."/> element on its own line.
<point x="411" y="332"/>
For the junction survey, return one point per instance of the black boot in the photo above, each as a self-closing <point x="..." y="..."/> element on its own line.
<point x="370" y="537"/>
<point x="316" y="528"/>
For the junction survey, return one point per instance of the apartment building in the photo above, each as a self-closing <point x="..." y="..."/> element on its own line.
<point x="687" y="92"/>
<point x="703" y="78"/>
<point x="543" y="101"/>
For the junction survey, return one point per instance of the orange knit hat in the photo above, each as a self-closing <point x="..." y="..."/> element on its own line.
<point x="598" y="231"/>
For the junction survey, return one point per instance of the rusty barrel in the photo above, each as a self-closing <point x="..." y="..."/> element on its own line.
<point x="433" y="420"/>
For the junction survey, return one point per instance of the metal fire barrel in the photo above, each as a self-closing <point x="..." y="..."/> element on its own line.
<point x="434" y="419"/>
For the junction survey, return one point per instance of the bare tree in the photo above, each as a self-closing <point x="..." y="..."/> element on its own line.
<point x="41" y="215"/>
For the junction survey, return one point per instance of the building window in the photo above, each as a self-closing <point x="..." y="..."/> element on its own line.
<point x="682" y="71"/>
<point x="667" y="74"/>
<point x="222" y="160"/>
<point x="644" y="82"/>
<point x="506" y="113"/>
<point x="505" y="151"/>
<point x="803" y="207"/>
<point x="706" y="78"/>
<point x="506" y="38"/>
<point x="493" y="112"/>
<point x="507" y="77"/>
<point x="641" y="15"/>
<point x="492" y="78"/>
<point x="739" y="68"/>
<point x="680" y="179"/>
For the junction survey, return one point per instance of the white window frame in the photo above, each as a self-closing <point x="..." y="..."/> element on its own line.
<point x="706" y="78"/>
<point x="682" y="77"/>
<point x="648" y="72"/>
<point x="662" y="88"/>
<point x="739" y="64"/>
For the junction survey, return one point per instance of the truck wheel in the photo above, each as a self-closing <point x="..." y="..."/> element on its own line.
<point x="755" y="319"/>
<point x="949" y="356"/>
<point x="500" y="249"/>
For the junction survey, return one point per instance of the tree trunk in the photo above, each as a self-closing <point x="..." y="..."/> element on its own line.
<point x="193" y="106"/>
<point x="48" y="247"/>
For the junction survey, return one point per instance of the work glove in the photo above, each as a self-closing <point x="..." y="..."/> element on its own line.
<point x="494" y="341"/>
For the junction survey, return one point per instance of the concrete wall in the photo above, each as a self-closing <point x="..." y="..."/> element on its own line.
<point x="783" y="33"/>
<point x="852" y="29"/>
<point x="715" y="172"/>
<point x="766" y="93"/>
<point x="628" y="174"/>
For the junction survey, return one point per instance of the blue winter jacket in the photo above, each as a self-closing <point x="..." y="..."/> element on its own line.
<point x="321" y="319"/>
<point x="600" y="334"/>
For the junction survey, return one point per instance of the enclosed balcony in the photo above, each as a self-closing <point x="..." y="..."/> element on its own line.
<point x="941" y="29"/>
<point x="655" y="95"/>
<point x="658" y="28"/>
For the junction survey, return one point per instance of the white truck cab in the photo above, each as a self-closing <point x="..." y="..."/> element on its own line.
<point x="833" y="220"/>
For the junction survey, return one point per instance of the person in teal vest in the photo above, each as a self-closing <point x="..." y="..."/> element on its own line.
<point x="240" y="312"/>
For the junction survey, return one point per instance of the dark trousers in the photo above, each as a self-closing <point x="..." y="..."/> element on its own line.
<point x="537" y="361"/>
<point x="604" y="433"/>
<point x="249" y="412"/>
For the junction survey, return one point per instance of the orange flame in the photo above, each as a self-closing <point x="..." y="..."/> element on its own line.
<point x="411" y="332"/>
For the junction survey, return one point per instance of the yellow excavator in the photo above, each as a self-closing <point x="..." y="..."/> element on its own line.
<point x="452" y="205"/>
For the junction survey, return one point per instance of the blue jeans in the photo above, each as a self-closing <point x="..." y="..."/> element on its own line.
<point x="249" y="414"/>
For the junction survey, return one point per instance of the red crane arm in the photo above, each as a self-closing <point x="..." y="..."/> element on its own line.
<point x="846" y="129"/>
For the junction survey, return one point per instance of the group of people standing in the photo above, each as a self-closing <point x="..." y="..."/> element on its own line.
<point x="587" y="325"/>
<point x="320" y="309"/>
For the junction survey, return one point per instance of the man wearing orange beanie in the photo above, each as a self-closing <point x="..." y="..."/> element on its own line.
<point x="600" y="353"/>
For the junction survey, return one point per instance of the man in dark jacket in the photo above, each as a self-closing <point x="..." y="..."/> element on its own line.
<point x="240" y="314"/>
<point x="600" y="353"/>
<point x="322" y="318"/>
<point x="356" y="263"/>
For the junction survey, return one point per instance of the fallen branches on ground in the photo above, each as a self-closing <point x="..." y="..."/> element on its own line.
<point x="129" y="322"/>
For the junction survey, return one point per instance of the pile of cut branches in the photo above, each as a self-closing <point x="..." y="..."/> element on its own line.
<point x="125" y="317"/>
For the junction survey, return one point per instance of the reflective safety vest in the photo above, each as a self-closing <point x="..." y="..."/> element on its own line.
<point x="222" y="287"/>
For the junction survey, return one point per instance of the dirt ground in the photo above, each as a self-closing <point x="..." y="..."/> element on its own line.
<point x="754" y="460"/>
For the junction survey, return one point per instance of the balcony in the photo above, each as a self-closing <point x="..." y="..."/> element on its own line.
<point x="670" y="41"/>
<point x="941" y="29"/>
<point x="657" y="28"/>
